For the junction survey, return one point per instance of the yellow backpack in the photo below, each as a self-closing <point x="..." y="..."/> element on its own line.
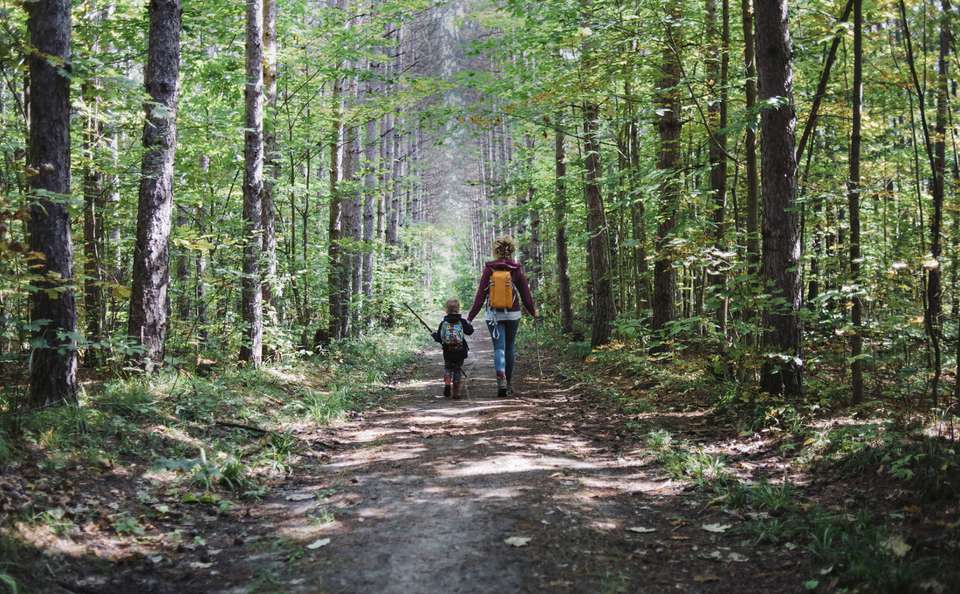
<point x="501" y="290"/>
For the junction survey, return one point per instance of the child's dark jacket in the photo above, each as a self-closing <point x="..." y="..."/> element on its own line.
<point x="455" y="358"/>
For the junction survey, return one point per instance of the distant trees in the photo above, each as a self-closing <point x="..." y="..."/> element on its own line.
<point x="149" y="300"/>
<point x="53" y="360"/>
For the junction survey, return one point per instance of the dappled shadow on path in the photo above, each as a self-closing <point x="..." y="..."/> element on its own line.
<point x="422" y="496"/>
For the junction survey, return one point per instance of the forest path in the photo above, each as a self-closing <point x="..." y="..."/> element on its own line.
<point x="420" y="497"/>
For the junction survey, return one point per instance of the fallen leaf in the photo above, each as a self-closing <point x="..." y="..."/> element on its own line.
<point x="736" y="557"/>
<point x="811" y="584"/>
<point x="517" y="541"/>
<point x="318" y="544"/>
<point x="702" y="579"/>
<point x="716" y="528"/>
<point x="896" y="545"/>
<point x="641" y="530"/>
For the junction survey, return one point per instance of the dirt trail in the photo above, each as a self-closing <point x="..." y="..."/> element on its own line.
<point x="421" y="496"/>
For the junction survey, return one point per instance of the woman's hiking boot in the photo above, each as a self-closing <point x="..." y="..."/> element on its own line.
<point x="501" y="387"/>
<point x="446" y="391"/>
<point x="509" y="388"/>
<point x="456" y="390"/>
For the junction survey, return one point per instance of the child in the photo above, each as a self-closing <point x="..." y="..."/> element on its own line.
<point x="451" y="334"/>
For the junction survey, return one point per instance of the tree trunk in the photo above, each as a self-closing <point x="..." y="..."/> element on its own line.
<point x="604" y="309"/>
<point x="94" y="201"/>
<point x="781" y="372"/>
<point x="668" y="163"/>
<point x="53" y="362"/>
<point x="717" y="65"/>
<point x="369" y="200"/>
<point x="750" y="143"/>
<point x="149" y="300"/>
<point x="271" y="286"/>
<point x="335" y="254"/>
<point x="251" y="351"/>
<point x="560" y="211"/>
<point x="934" y="317"/>
<point x="853" y="201"/>
<point x="201" y="263"/>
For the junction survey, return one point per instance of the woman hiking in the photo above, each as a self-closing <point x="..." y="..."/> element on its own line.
<point x="503" y="288"/>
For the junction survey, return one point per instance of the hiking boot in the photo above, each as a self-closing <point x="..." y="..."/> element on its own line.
<point x="501" y="387"/>
<point x="446" y="391"/>
<point x="509" y="389"/>
<point x="456" y="390"/>
<point x="501" y="392"/>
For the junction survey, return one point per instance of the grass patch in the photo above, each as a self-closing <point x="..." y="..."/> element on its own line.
<point x="856" y="549"/>
<point x="173" y="444"/>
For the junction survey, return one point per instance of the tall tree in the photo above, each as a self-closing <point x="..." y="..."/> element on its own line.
<point x="53" y="362"/>
<point x="668" y="164"/>
<point x="781" y="371"/>
<point x="271" y="286"/>
<point x="604" y="308"/>
<point x="853" y="202"/>
<point x="750" y="139"/>
<point x="149" y="300"/>
<point x="934" y="313"/>
<point x="251" y="349"/>
<point x="718" y="58"/>
<point x="560" y="211"/>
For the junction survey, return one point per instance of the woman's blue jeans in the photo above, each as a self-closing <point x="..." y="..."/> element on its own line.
<point x="504" y="336"/>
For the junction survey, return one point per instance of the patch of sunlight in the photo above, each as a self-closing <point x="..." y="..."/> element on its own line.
<point x="285" y="375"/>
<point x="44" y="538"/>
<point x="418" y="384"/>
<point x="499" y="492"/>
<point x="300" y="530"/>
<point x="512" y="463"/>
<point x="625" y="484"/>
<point x="372" y="435"/>
<point x="161" y="476"/>
<point x="366" y="457"/>
<point x="605" y="525"/>
<point x="175" y="434"/>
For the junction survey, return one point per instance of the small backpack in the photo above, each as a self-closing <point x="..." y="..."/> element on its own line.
<point x="501" y="289"/>
<point x="451" y="336"/>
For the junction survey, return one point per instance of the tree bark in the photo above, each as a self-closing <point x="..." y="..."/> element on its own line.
<point x="781" y="373"/>
<point x="271" y="286"/>
<point x="369" y="200"/>
<point x="717" y="65"/>
<point x="853" y="202"/>
<point x="53" y="361"/>
<point x="668" y="164"/>
<point x="560" y="211"/>
<point x="750" y="142"/>
<point x="251" y="350"/>
<point x="335" y="254"/>
<point x="604" y="309"/>
<point x="934" y="315"/>
<point x="94" y="202"/>
<point x="149" y="300"/>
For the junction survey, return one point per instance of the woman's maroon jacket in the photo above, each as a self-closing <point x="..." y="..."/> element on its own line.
<point x="519" y="281"/>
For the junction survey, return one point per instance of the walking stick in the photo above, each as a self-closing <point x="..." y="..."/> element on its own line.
<point x="536" y="337"/>
<point x="430" y="330"/>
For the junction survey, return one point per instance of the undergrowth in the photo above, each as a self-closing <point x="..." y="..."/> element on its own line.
<point x="207" y="439"/>
<point x="858" y="546"/>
